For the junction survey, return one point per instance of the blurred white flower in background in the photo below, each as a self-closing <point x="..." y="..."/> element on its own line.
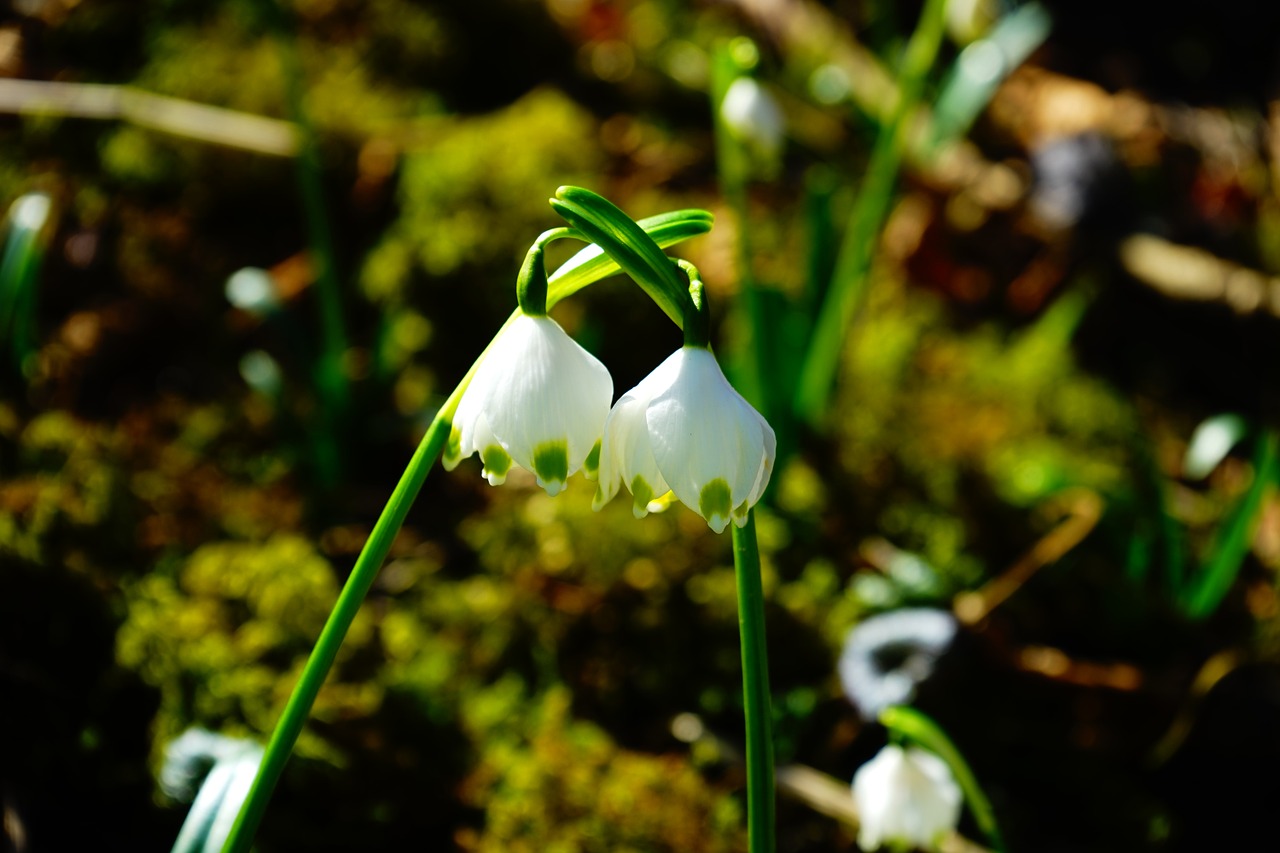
<point x="905" y="797"/>
<point x="753" y="116"/>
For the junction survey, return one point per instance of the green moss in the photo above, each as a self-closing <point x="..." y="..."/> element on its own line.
<point x="475" y="188"/>
<point x="564" y="785"/>
<point x="221" y="637"/>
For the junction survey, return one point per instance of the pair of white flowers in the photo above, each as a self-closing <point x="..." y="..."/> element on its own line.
<point x="541" y="402"/>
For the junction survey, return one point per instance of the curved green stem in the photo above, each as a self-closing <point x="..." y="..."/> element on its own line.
<point x="918" y="728"/>
<point x="626" y="241"/>
<point x="755" y="688"/>
<point x="531" y="283"/>
<point x="697" y="325"/>
<point x="582" y="269"/>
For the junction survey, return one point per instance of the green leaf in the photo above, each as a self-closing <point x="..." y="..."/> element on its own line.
<point x="847" y="293"/>
<point x="923" y="731"/>
<point x="983" y="66"/>
<point x="1231" y="544"/>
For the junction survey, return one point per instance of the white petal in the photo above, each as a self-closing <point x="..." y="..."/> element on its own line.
<point x="627" y="453"/>
<point x="702" y="431"/>
<point x="555" y="392"/>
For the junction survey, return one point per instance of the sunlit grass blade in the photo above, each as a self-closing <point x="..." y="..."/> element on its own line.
<point x="921" y="730"/>
<point x="861" y="234"/>
<point x="1222" y="564"/>
<point x="983" y="66"/>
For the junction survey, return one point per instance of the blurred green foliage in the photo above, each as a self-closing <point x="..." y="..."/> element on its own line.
<point x="469" y="174"/>
<point x="561" y="785"/>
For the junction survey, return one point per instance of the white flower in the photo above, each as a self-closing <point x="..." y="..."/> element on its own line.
<point x="905" y="797"/>
<point x="538" y="400"/>
<point x="752" y="114"/>
<point x="685" y="429"/>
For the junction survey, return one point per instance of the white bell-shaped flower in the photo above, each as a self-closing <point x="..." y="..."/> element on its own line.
<point x="539" y="401"/>
<point x="685" y="429"/>
<point x="905" y="797"/>
<point x="752" y="114"/>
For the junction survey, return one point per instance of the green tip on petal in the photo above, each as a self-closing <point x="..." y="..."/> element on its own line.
<point x="641" y="494"/>
<point x="497" y="462"/>
<point x="591" y="466"/>
<point x="452" y="449"/>
<point x="715" y="504"/>
<point x="551" y="465"/>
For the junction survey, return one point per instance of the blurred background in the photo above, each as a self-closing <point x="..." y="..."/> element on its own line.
<point x="1003" y="277"/>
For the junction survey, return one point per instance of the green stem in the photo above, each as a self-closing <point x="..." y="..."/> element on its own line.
<point x="335" y="630"/>
<point x="849" y="283"/>
<point x="732" y="168"/>
<point x="697" y="325"/>
<point x="755" y="688"/>
<point x="330" y="376"/>
<point x="920" y="729"/>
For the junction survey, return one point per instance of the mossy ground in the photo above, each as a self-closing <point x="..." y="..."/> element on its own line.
<point x="169" y="548"/>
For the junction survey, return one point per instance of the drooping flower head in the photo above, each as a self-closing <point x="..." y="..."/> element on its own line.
<point x="538" y="401"/>
<point x="905" y="797"/>
<point x="685" y="429"/>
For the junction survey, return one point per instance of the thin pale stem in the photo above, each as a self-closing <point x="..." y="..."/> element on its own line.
<point x="755" y="688"/>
